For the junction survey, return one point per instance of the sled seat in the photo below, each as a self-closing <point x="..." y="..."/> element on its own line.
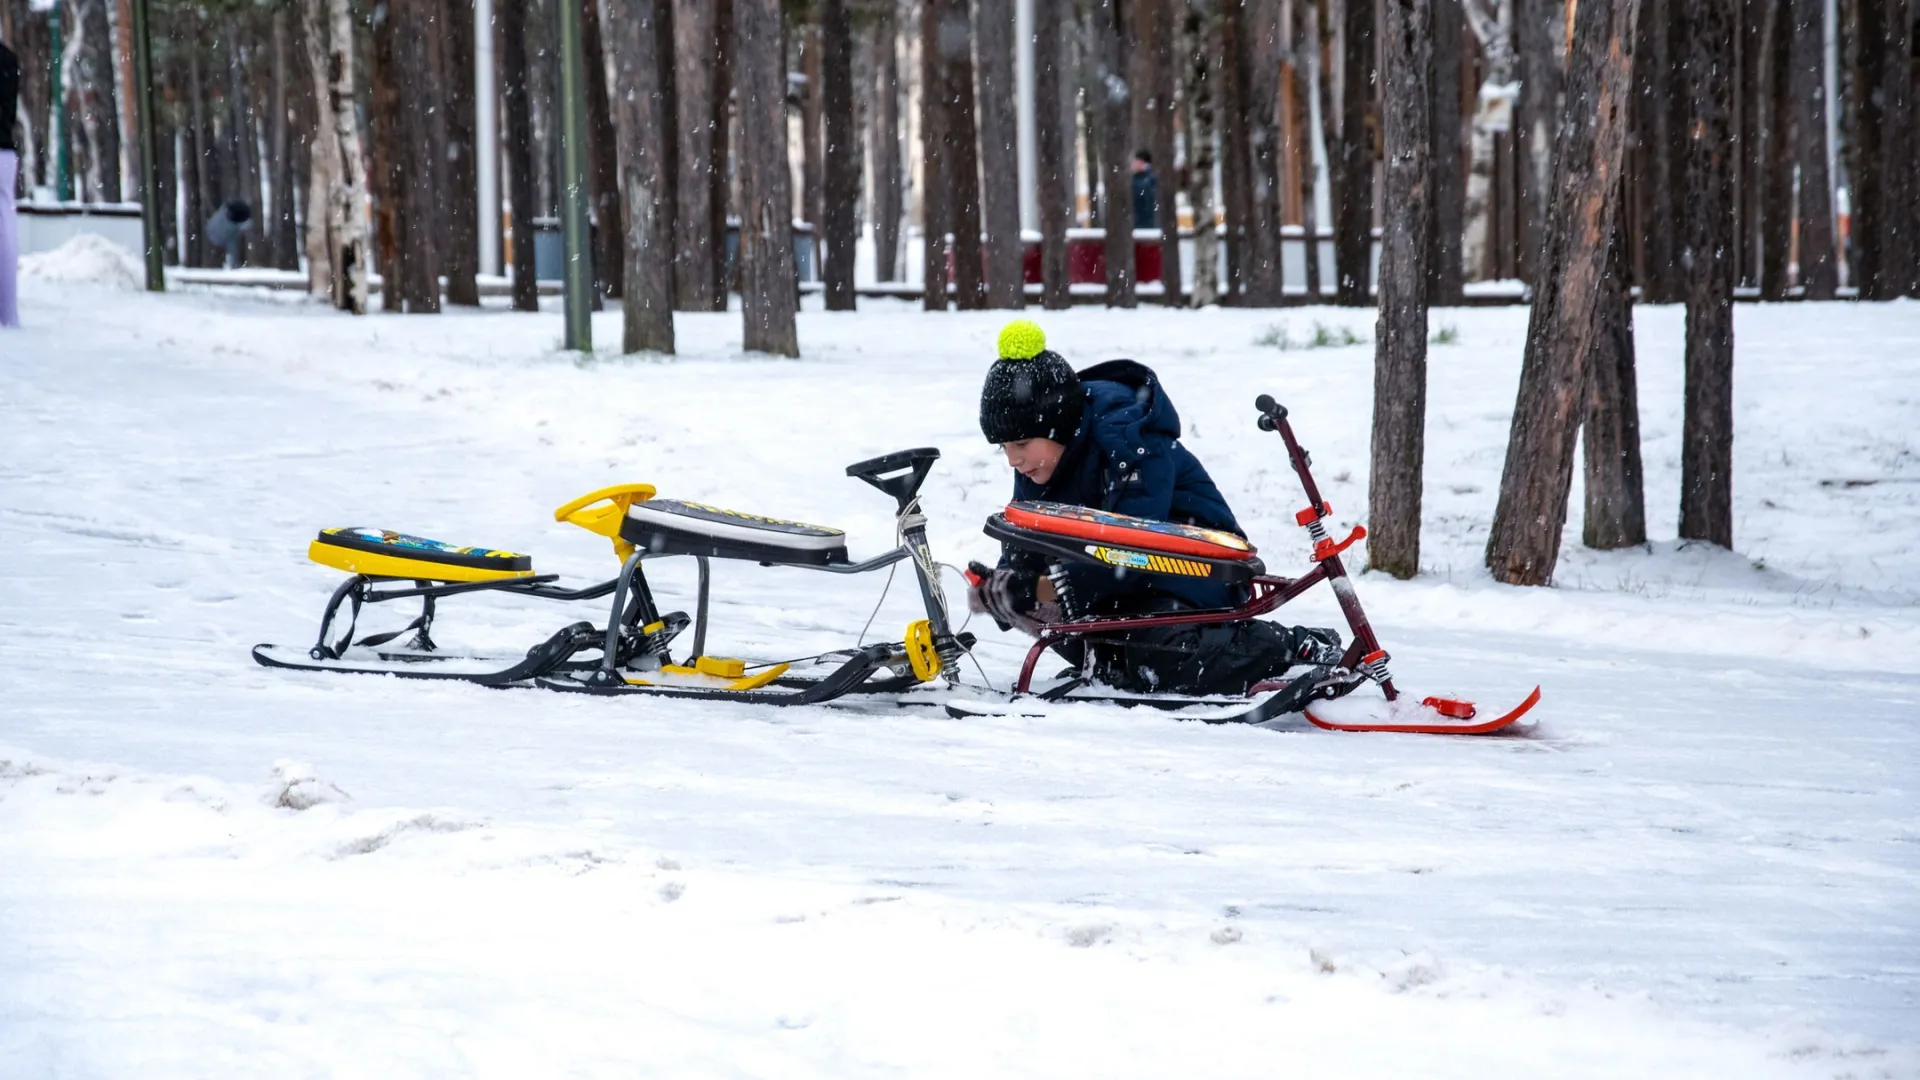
<point x="382" y="553"/>
<point x="1127" y="543"/>
<point x="675" y="527"/>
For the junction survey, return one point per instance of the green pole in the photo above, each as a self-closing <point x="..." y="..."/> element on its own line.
<point x="149" y="163"/>
<point x="573" y="182"/>
<point x="62" y="163"/>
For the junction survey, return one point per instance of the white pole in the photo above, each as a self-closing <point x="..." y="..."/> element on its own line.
<point x="486" y="137"/>
<point x="1029" y="140"/>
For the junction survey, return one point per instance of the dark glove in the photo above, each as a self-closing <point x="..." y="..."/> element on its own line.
<point x="1007" y="595"/>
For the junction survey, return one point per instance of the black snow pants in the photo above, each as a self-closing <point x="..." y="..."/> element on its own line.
<point x="1212" y="658"/>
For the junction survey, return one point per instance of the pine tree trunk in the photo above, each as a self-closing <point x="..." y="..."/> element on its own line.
<point x="462" y="195"/>
<point x="422" y="134"/>
<point x="603" y="160"/>
<point x="193" y="250"/>
<point x="961" y="154"/>
<point x="1353" y="214"/>
<point x="242" y="138"/>
<point x="1156" y="44"/>
<point x="1444" y="274"/>
<point x="1706" y="454"/>
<point x="1753" y="137"/>
<point x="384" y="162"/>
<point x="999" y="139"/>
<point x="1236" y="192"/>
<point x="1265" y="280"/>
<point x="1616" y="496"/>
<point x="100" y="116"/>
<point x="810" y="126"/>
<point x="1655" y="154"/>
<point x="1867" y="56"/>
<point x="885" y="143"/>
<point x="640" y="122"/>
<point x="283" y="235"/>
<point x="1563" y="330"/>
<point x="1541" y="28"/>
<point x="1116" y="155"/>
<point x="1054" y="151"/>
<point x="1201" y="23"/>
<point x="1777" y="210"/>
<point x="1819" y="269"/>
<point x="1900" y="149"/>
<point x="767" y="285"/>
<point x="517" y="147"/>
<point x="936" y="196"/>
<point x="841" y="167"/>
<point x="1303" y="47"/>
<point x="1400" y="334"/>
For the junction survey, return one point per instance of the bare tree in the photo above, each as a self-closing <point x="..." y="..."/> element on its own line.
<point x="283" y="238"/>
<point x="422" y="166"/>
<point x="1777" y="203"/>
<point x="1264" y="44"/>
<point x="338" y="169"/>
<point x="517" y="147"/>
<point x="1000" y="180"/>
<point x="1155" y="52"/>
<point x="1563" y="329"/>
<point x="841" y="179"/>
<point x="1200" y="33"/>
<point x="1449" y="190"/>
<point x="885" y="142"/>
<point x="1353" y="208"/>
<point x="1900" y="260"/>
<point x="1116" y="186"/>
<point x="640" y="121"/>
<point x="603" y="159"/>
<point x="1819" y="269"/>
<point x="1400" y="334"/>
<point x="1540" y="26"/>
<point x="461" y="198"/>
<point x="1616" y="495"/>
<point x="1052" y="122"/>
<point x="1706" y="454"/>
<point x="936" y="166"/>
<point x="1303" y="47"/>
<point x="767" y="292"/>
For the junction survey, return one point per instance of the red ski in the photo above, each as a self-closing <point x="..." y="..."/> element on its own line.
<point x="1431" y="716"/>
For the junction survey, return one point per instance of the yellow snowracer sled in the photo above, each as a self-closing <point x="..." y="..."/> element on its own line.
<point x="634" y="650"/>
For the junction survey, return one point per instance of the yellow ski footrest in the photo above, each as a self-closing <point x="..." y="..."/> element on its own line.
<point x="384" y="553"/>
<point x="711" y="673"/>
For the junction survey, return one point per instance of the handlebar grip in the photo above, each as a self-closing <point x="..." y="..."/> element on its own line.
<point x="1270" y="408"/>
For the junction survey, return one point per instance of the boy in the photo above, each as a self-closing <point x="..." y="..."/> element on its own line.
<point x="1108" y="438"/>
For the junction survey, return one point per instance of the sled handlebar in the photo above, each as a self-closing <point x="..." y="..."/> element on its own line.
<point x="1271" y="412"/>
<point x="899" y="474"/>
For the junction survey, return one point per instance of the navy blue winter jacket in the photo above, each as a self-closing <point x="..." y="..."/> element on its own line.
<point x="1126" y="458"/>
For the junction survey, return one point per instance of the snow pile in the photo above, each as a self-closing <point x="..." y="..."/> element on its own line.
<point x="86" y="259"/>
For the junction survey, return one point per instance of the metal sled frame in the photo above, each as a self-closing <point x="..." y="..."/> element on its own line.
<point x="1269" y="592"/>
<point x="633" y="609"/>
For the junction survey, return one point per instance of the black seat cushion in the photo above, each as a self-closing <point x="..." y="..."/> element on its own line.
<point x="675" y="527"/>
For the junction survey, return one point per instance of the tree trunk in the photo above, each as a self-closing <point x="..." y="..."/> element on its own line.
<point x="1867" y="56"/>
<point x="242" y="134"/>
<point x="1236" y="192"/>
<point x="1400" y="334"/>
<point x="1201" y="23"/>
<point x="1819" y="270"/>
<point x="422" y="133"/>
<point x="515" y="93"/>
<point x="1265" y="280"/>
<point x="283" y="240"/>
<point x="999" y="145"/>
<point x="725" y="127"/>
<point x="1116" y="156"/>
<point x="1156" y="42"/>
<point x="1053" y="151"/>
<point x="100" y="108"/>
<point x="386" y="146"/>
<point x="936" y="198"/>
<point x="840" y="179"/>
<point x="694" y="245"/>
<point x="1541" y="28"/>
<point x="1706" y="454"/>
<point x="885" y="143"/>
<point x="767" y="289"/>
<point x="1753" y="137"/>
<point x="1776" y="216"/>
<point x="1353" y="214"/>
<point x="961" y="153"/>
<point x="603" y="160"/>
<point x="640" y="121"/>
<point x="1449" y="189"/>
<point x="1303" y="47"/>
<point x="197" y="147"/>
<point x="330" y="51"/>
<point x="1562" y="332"/>
<point x="1492" y="26"/>
<point x="1900" y="148"/>
<point x="810" y="116"/>
<point x="1616" y="511"/>
<point x="1656" y="154"/>
<point x="461" y="198"/>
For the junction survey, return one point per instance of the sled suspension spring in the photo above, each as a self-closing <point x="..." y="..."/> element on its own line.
<point x="1062" y="588"/>
<point x="1374" y="665"/>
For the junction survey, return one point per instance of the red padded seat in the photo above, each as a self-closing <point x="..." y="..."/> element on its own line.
<point x="1145" y="534"/>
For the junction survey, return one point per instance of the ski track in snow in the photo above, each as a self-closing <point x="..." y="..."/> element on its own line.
<point x="1704" y="861"/>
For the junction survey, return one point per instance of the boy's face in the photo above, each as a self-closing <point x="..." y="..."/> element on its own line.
<point x="1034" y="459"/>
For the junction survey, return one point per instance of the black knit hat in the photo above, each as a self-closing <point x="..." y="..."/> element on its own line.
<point x="1030" y="393"/>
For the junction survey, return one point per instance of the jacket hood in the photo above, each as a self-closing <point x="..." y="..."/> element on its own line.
<point x="1126" y="408"/>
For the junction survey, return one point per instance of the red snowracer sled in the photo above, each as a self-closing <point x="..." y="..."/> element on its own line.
<point x="1131" y="544"/>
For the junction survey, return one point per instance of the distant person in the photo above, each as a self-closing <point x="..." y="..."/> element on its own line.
<point x="9" y="176"/>
<point x="225" y="228"/>
<point x="1146" y="192"/>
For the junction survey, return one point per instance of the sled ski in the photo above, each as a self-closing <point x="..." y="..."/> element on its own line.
<point x="1211" y="709"/>
<point x="1431" y="716"/>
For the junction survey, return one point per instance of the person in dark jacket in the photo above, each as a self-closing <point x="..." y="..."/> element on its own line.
<point x="1146" y="192"/>
<point x="9" y="176"/>
<point x="1108" y="438"/>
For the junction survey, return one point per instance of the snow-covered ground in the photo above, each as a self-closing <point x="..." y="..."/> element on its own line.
<point x="1704" y="861"/>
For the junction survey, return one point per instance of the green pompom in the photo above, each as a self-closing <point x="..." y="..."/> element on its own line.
<point x="1022" y="339"/>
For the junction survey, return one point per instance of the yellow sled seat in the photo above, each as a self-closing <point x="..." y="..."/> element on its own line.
<point x="382" y="553"/>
